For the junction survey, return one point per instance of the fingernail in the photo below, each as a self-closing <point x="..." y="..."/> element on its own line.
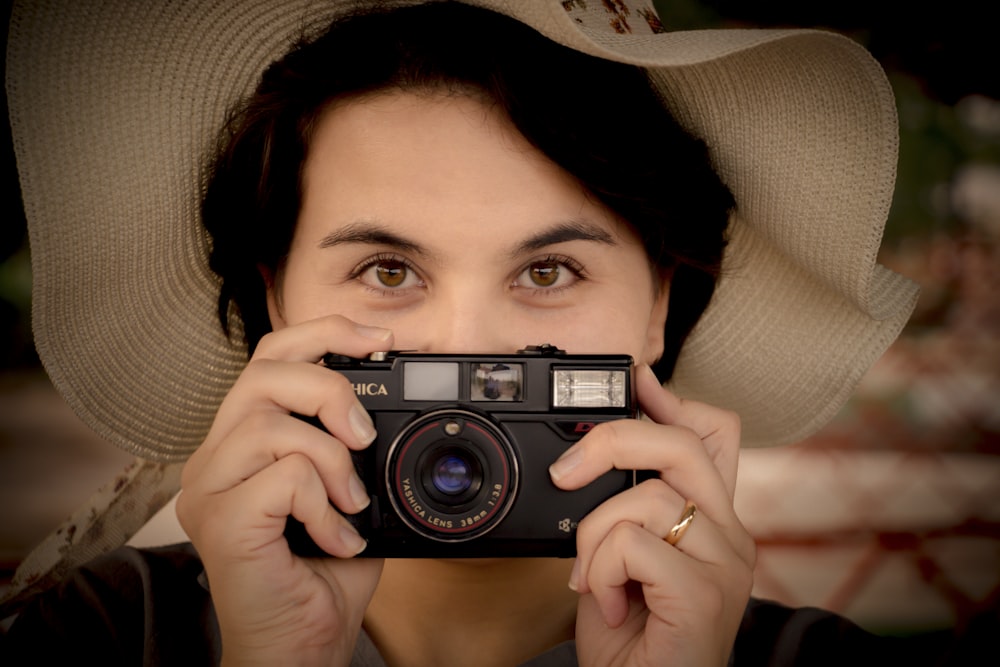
<point x="352" y="540"/>
<point x="361" y="424"/>
<point x="358" y="493"/>
<point x="574" y="576"/>
<point x="375" y="333"/>
<point x="564" y="465"/>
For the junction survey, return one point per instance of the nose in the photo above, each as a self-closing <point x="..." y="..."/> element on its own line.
<point x="467" y="322"/>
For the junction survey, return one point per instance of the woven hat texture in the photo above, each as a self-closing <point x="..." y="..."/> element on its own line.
<point x="114" y="106"/>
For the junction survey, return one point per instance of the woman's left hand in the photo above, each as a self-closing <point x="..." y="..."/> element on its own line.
<point x="644" y="601"/>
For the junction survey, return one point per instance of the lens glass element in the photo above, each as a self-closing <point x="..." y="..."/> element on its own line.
<point x="452" y="475"/>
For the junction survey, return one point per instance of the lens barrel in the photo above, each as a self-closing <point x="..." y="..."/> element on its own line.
<point x="451" y="475"/>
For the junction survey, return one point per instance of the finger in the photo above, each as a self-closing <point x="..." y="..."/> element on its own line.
<point x="311" y="340"/>
<point x="675" y="451"/>
<point x="628" y="554"/>
<point x="251" y="517"/>
<point x="673" y="585"/>
<point x="718" y="429"/>
<point x="656" y="508"/>
<point x="298" y="387"/>
<point x="266" y="437"/>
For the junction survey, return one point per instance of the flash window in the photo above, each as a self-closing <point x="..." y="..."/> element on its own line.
<point x="580" y="388"/>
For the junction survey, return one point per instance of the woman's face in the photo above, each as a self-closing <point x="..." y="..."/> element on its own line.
<point x="431" y="216"/>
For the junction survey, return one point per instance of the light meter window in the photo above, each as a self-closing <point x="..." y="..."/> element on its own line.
<point x="430" y="381"/>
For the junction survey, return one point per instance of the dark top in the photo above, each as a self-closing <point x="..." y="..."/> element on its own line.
<point x="152" y="607"/>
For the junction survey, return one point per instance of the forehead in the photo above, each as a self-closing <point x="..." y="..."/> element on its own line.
<point x="424" y="134"/>
<point x="426" y="159"/>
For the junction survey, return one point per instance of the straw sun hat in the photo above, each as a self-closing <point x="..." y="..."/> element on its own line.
<point x="114" y="105"/>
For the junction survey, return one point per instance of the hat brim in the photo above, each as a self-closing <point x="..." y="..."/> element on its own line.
<point x="114" y="107"/>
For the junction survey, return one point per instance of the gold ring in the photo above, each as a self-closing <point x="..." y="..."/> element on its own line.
<point x="677" y="532"/>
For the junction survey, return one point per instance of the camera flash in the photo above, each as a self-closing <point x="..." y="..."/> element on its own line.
<point x="588" y="389"/>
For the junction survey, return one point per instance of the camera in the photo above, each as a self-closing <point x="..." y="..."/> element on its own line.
<point x="459" y="468"/>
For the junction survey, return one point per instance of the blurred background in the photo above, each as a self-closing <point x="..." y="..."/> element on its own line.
<point x="891" y="514"/>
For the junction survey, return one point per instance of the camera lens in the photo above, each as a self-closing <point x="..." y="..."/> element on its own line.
<point x="452" y="475"/>
<point x="450" y="472"/>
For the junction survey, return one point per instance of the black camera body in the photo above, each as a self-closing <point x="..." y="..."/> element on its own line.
<point x="459" y="468"/>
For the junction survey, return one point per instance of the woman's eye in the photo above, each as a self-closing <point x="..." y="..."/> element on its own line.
<point x="547" y="274"/>
<point x="544" y="275"/>
<point x="388" y="274"/>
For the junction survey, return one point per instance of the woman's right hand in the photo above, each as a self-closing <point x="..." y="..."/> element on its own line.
<point x="259" y="465"/>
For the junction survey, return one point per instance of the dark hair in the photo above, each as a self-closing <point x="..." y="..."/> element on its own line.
<point x="599" y="120"/>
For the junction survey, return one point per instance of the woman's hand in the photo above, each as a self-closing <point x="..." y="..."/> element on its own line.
<point x="643" y="601"/>
<point x="260" y="464"/>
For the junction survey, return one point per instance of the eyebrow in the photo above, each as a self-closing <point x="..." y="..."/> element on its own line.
<point x="372" y="234"/>
<point x="575" y="230"/>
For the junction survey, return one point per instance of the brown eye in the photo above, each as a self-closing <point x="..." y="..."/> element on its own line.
<point x="544" y="274"/>
<point x="388" y="274"/>
<point x="550" y="275"/>
<point x="391" y="274"/>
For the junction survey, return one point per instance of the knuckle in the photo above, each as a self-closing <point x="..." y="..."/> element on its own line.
<point x="625" y="537"/>
<point x="712" y="599"/>
<point x="656" y="493"/>
<point x="266" y="345"/>
<point x="688" y="441"/>
<point x="609" y="432"/>
<point x="730" y="421"/>
<point x="663" y="500"/>
<point x="295" y="469"/>
<point x="339" y="383"/>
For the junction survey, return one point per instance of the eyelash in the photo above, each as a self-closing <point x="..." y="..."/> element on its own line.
<point x="382" y="258"/>
<point x="575" y="268"/>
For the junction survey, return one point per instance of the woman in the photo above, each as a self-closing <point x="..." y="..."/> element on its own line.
<point x="457" y="178"/>
<point x="423" y="211"/>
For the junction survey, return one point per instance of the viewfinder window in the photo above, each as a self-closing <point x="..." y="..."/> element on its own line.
<point x="497" y="382"/>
